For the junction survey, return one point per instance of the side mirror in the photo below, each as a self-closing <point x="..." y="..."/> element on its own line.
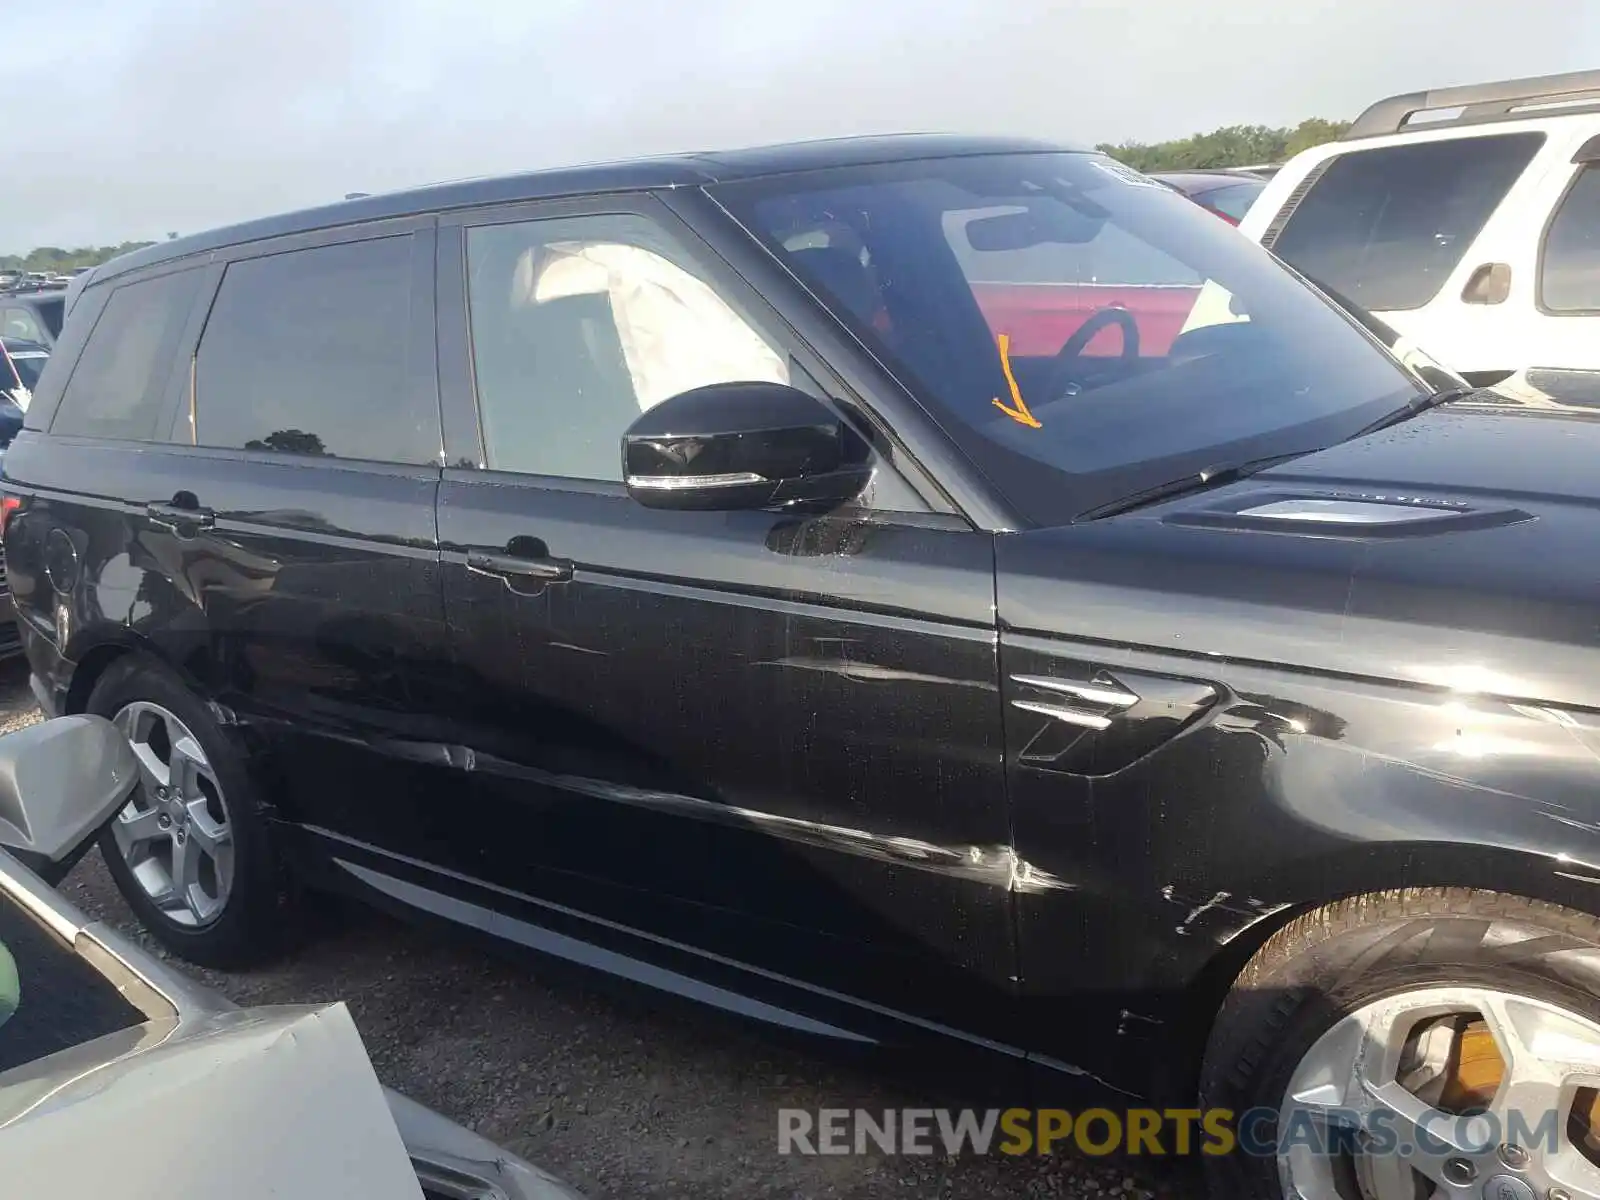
<point x="733" y="446"/>
<point x="60" y="782"/>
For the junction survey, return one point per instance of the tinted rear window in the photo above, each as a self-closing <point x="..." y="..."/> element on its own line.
<point x="1386" y="227"/>
<point x="308" y="352"/>
<point x="118" y="387"/>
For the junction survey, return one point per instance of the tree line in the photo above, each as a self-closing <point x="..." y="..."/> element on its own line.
<point x="1230" y="146"/>
<point x="54" y="259"/>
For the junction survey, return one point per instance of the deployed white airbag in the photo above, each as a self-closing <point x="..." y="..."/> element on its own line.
<point x="676" y="332"/>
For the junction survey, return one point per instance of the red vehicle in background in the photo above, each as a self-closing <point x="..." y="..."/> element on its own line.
<point x="1126" y="299"/>
<point x="1040" y="319"/>
<point x="1227" y="192"/>
<point x="1117" y="272"/>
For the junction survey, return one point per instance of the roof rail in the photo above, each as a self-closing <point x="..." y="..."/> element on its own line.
<point x="1479" y="103"/>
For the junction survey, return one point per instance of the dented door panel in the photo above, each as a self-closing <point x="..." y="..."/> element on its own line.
<point x="776" y="738"/>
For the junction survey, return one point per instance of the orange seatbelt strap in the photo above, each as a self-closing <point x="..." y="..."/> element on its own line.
<point x="1019" y="413"/>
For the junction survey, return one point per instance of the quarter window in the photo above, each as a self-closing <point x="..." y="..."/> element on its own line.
<point x="309" y="352"/>
<point x="1386" y="227"/>
<point x="118" y="387"/>
<point x="581" y="324"/>
<point x="1569" y="270"/>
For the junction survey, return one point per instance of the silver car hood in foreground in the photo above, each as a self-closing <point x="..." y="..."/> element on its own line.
<point x="206" y="1099"/>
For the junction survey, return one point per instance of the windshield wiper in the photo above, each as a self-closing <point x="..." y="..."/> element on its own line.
<point x="1412" y="407"/>
<point x="1198" y="482"/>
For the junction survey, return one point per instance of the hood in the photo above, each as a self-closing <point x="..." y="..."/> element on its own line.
<point x="1455" y="550"/>
<point x="1486" y="446"/>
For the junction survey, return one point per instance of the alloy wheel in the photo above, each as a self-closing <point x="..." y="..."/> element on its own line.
<point x="1446" y="1093"/>
<point x="174" y="833"/>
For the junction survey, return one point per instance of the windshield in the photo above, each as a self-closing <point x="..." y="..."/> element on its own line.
<point x="1085" y="332"/>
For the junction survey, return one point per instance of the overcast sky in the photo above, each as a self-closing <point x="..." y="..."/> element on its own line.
<point x="134" y="117"/>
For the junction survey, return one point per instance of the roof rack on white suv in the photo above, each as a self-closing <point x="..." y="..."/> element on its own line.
<point x="1509" y="99"/>
<point x="1466" y="218"/>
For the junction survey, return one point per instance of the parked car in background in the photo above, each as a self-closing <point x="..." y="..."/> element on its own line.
<point x="24" y="362"/>
<point x="1468" y="218"/>
<point x="712" y="580"/>
<point x="1226" y="192"/>
<point x="33" y="316"/>
<point x="274" y="1102"/>
<point x="20" y="365"/>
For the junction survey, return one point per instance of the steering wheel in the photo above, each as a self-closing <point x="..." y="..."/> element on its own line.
<point x="1067" y="357"/>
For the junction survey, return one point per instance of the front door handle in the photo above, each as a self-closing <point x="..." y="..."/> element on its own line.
<point x="518" y="566"/>
<point x="171" y="516"/>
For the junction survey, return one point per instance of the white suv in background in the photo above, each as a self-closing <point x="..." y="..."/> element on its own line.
<point x="1468" y="219"/>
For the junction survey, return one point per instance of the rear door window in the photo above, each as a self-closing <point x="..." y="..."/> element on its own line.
<point x="1569" y="268"/>
<point x="19" y="323"/>
<point x="308" y="352"/>
<point x="1386" y="227"/>
<point x="118" y="388"/>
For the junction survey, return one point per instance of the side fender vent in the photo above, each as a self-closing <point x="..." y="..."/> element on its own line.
<point x="1104" y="723"/>
<point x="1323" y="514"/>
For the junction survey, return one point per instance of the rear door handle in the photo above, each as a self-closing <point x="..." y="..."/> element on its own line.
<point x="517" y="566"/>
<point x="173" y="515"/>
<point x="1488" y="284"/>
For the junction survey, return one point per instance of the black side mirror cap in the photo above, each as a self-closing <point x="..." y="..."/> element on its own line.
<point x="743" y="446"/>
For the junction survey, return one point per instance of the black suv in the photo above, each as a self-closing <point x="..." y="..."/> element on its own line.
<point x="816" y="581"/>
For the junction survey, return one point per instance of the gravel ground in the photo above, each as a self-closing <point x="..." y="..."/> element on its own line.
<point x="618" y="1095"/>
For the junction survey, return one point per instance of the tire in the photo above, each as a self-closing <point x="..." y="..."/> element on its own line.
<point x="1380" y="954"/>
<point x="255" y="908"/>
